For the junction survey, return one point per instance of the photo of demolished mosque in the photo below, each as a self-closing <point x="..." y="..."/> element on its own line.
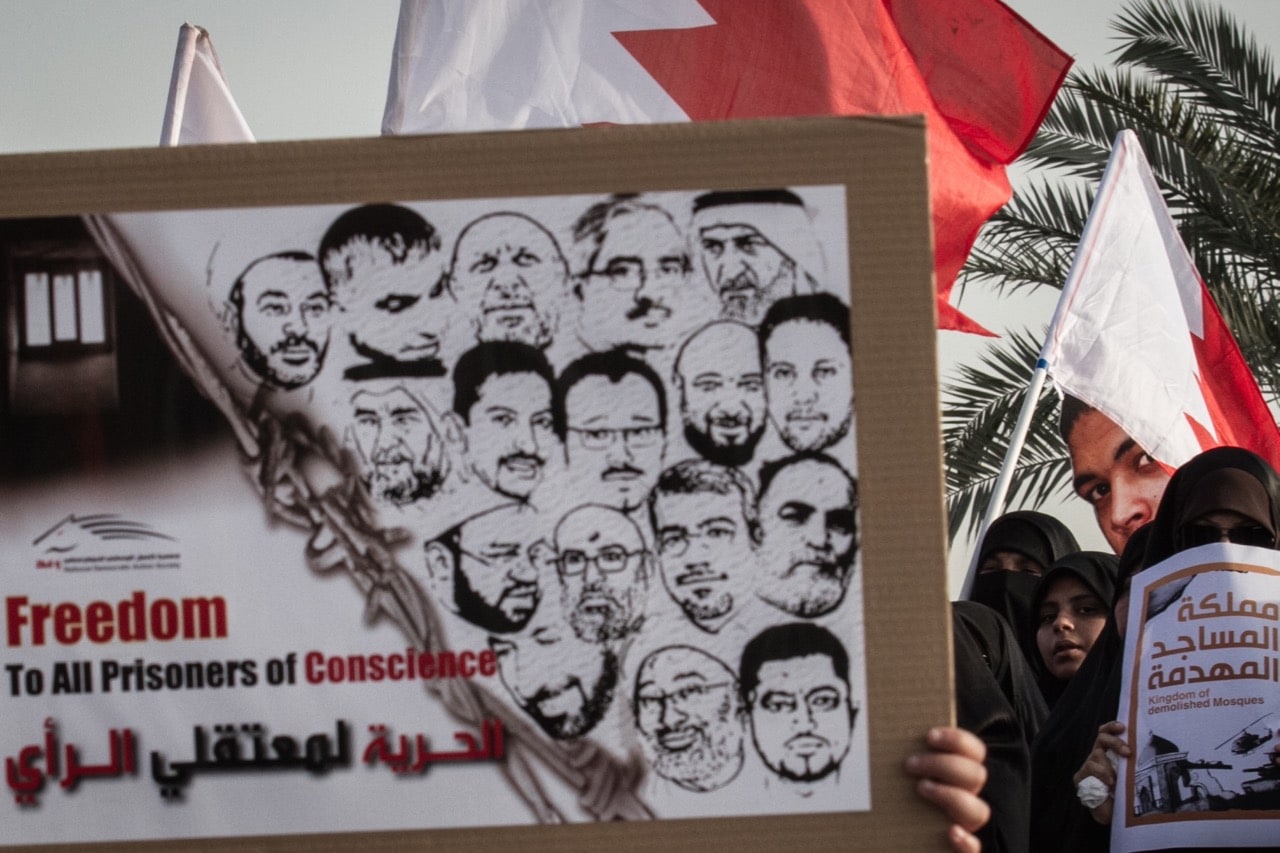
<point x="1168" y="781"/>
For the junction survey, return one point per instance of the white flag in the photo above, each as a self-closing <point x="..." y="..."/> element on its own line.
<point x="200" y="108"/>
<point x="507" y="64"/>
<point x="1137" y="336"/>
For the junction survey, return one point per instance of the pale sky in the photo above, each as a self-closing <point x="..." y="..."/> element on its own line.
<point x="85" y="75"/>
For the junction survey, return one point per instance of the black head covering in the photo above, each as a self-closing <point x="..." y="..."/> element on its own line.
<point x="1037" y="537"/>
<point x="1091" y="698"/>
<point x="997" y="700"/>
<point x="995" y="643"/>
<point x="1133" y="559"/>
<point x="1224" y="478"/>
<point x="1097" y="571"/>
<point x="1059" y="823"/>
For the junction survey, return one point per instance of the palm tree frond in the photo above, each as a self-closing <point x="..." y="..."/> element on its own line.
<point x="980" y="408"/>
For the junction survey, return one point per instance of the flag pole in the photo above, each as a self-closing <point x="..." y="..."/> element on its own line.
<point x="174" y="107"/>
<point x="1001" y="489"/>
<point x="1018" y="439"/>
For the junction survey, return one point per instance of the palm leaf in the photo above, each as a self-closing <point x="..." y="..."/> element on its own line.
<point x="1202" y="52"/>
<point x="980" y="408"/>
<point x="1032" y="240"/>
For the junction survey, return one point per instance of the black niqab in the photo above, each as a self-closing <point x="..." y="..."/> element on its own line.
<point x="996" y="699"/>
<point x="1199" y="487"/>
<point x="1036" y="536"/>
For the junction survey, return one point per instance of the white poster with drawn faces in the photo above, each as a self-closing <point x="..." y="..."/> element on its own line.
<point x="610" y="440"/>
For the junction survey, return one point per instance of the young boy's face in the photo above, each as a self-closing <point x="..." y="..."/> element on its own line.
<point x="1115" y="475"/>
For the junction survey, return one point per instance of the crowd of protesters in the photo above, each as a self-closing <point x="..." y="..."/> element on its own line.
<point x="1039" y="645"/>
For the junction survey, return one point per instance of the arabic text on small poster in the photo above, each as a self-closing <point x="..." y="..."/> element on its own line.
<point x="1201" y="700"/>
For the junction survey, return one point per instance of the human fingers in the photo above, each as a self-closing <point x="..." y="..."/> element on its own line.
<point x="954" y="757"/>
<point x="1110" y="734"/>
<point x="948" y="769"/>
<point x="1098" y="766"/>
<point x="1115" y="744"/>
<point x="958" y="741"/>
<point x="963" y="841"/>
<point x="965" y="810"/>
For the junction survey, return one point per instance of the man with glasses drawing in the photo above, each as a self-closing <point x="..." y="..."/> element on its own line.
<point x="632" y="277"/>
<point x="601" y="560"/>
<point x="690" y="718"/>
<point x="615" y="413"/>
<point x="704" y="523"/>
<point x="484" y="571"/>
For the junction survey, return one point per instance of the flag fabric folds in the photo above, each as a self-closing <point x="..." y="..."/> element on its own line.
<point x="200" y="108"/>
<point x="981" y="76"/>
<point x="1137" y="336"/>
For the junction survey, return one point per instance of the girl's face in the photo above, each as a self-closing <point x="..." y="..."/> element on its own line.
<point x="1071" y="618"/>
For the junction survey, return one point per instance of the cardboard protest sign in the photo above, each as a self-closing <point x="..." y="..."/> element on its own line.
<point x="575" y="477"/>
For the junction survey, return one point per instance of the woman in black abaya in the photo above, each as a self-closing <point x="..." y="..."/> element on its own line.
<point x="1069" y="609"/>
<point x="1014" y="553"/>
<point x="998" y="700"/>
<point x="1059" y="824"/>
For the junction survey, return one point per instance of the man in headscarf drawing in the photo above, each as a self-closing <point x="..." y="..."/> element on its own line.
<point x="399" y="446"/>
<point x="757" y="246"/>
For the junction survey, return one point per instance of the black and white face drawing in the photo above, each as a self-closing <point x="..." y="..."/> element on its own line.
<point x="281" y="310"/>
<point x="795" y="683"/>
<point x="634" y="275"/>
<point x="609" y="438"/>
<point x="603" y="565"/>
<point x="562" y="683"/>
<point x="400" y="447"/>
<point x="756" y="247"/>
<point x="722" y="400"/>
<point x="704" y="523"/>
<point x="509" y="278"/>
<point x="808" y="370"/>
<point x="383" y="265"/>
<point x="615" y="413"/>
<point x="808" y="511"/>
<point x="690" y="718"/>
<point x="503" y="393"/>
<point x="489" y="568"/>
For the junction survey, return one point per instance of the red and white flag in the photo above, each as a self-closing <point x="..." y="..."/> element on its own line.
<point x="980" y="74"/>
<point x="1137" y="336"/>
<point x="200" y="108"/>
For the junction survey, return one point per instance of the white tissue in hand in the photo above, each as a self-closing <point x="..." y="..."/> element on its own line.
<point x="1092" y="792"/>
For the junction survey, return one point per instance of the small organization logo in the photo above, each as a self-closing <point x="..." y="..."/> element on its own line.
<point x="99" y="541"/>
